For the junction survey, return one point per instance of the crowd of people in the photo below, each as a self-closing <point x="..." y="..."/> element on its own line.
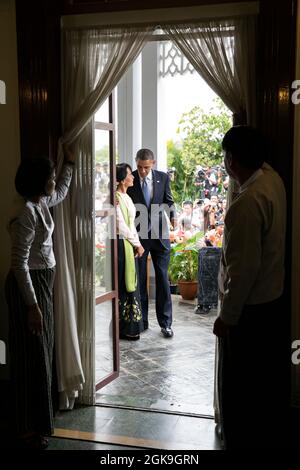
<point x="102" y="178"/>
<point x="211" y="180"/>
<point x="206" y="216"/>
<point x="205" y="213"/>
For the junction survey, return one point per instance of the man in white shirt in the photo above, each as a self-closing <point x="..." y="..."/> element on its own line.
<point x="251" y="282"/>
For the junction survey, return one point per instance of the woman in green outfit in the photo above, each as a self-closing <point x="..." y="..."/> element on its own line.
<point x="129" y="248"/>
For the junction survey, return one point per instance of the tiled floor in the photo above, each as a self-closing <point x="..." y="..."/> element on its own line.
<point x="112" y="428"/>
<point x="174" y="374"/>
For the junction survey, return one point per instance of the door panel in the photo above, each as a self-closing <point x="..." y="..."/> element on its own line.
<point x="103" y="254"/>
<point x="106" y="310"/>
<point x="105" y="347"/>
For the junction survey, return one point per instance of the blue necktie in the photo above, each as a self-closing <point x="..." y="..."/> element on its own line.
<point x="146" y="192"/>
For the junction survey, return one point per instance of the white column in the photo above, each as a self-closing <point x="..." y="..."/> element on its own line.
<point x="122" y="118"/>
<point x="137" y="106"/>
<point x="162" y="116"/>
<point x="153" y="106"/>
<point x="130" y="114"/>
<point x="149" y="97"/>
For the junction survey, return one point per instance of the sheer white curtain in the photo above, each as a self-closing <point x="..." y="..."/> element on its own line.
<point x="94" y="60"/>
<point x="224" y="53"/>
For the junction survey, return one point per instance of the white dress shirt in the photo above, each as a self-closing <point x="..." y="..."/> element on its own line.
<point x="252" y="263"/>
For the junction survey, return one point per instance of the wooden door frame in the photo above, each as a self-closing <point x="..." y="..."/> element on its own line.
<point x="112" y="295"/>
<point x="38" y="42"/>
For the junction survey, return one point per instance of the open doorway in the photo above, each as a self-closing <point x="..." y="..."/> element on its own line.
<point x="162" y="104"/>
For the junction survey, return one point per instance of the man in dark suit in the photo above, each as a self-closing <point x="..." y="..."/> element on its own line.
<point x="153" y="200"/>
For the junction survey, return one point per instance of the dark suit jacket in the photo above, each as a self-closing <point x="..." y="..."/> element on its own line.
<point x="161" y="200"/>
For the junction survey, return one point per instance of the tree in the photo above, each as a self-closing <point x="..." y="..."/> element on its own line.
<point x="203" y="134"/>
<point x="102" y="155"/>
<point x="201" y="144"/>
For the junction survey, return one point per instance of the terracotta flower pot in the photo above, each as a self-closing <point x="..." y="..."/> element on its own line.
<point x="188" y="289"/>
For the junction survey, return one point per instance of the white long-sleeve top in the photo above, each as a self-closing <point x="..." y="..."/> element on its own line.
<point x="122" y="228"/>
<point x="252" y="263"/>
<point x="31" y="236"/>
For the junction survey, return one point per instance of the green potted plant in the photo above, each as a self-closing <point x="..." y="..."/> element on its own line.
<point x="183" y="267"/>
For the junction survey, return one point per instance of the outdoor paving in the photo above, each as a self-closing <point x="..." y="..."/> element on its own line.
<point x="174" y="374"/>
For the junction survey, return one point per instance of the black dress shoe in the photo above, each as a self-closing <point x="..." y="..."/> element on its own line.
<point x="167" y="332"/>
<point x="202" y="309"/>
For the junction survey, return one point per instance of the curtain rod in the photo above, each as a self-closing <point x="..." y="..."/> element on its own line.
<point x="161" y="16"/>
<point x="150" y="37"/>
<point x="155" y="25"/>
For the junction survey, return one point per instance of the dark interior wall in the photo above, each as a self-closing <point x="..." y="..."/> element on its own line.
<point x="92" y="6"/>
<point x="276" y="73"/>
<point x="38" y="36"/>
<point x="276" y="115"/>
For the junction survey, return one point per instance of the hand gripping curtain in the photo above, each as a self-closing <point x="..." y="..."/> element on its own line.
<point x="223" y="53"/>
<point x="93" y="63"/>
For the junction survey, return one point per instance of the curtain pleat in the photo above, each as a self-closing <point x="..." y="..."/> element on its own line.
<point x="220" y="52"/>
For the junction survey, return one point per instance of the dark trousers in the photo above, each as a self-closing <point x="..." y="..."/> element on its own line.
<point x="160" y="254"/>
<point x="254" y="378"/>
<point x="31" y="356"/>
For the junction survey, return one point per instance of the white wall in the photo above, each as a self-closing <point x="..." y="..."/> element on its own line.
<point x="9" y="145"/>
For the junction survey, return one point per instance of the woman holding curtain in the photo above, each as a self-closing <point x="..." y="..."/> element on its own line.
<point x="129" y="248"/>
<point x="28" y="292"/>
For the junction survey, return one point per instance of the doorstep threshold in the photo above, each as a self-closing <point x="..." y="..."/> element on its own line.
<point x="154" y="410"/>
